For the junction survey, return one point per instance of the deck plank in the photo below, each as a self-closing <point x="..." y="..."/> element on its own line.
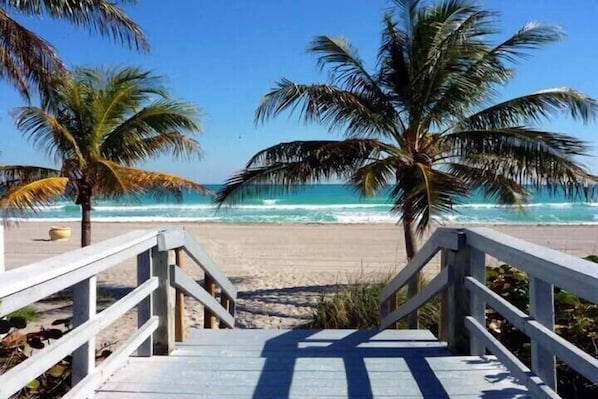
<point x="307" y="363"/>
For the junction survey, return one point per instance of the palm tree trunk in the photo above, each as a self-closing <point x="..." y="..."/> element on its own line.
<point x="86" y="223"/>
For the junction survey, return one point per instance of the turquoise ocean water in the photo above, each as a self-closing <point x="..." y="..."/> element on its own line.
<point x="321" y="204"/>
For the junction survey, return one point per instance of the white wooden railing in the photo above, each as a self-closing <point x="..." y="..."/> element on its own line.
<point x="157" y="299"/>
<point x="464" y="297"/>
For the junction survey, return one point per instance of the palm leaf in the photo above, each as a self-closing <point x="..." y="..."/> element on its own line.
<point x="286" y="166"/>
<point x="532" y="109"/>
<point x="101" y="16"/>
<point x="31" y="196"/>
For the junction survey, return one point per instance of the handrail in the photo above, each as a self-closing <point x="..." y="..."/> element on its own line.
<point x="159" y="275"/>
<point x="465" y="297"/>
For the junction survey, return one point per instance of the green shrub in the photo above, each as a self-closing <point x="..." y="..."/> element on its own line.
<point x="357" y="305"/>
<point x="27" y="313"/>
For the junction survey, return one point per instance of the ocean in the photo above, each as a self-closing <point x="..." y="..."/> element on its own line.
<point x="326" y="203"/>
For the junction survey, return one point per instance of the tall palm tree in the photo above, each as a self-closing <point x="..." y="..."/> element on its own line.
<point x="98" y="125"/>
<point x="425" y="122"/>
<point x="28" y="61"/>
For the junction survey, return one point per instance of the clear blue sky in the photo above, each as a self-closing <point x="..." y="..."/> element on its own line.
<point x="224" y="55"/>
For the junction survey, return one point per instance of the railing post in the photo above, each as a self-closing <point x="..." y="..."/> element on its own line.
<point x="227" y="304"/>
<point x="84" y="308"/>
<point x="163" y="302"/>
<point x="457" y="303"/>
<point x="209" y="320"/>
<point x="443" y="324"/>
<point x="477" y="307"/>
<point x="179" y="318"/>
<point x="412" y="290"/>
<point x="144" y="308"/>
<point x="541" y="305"/>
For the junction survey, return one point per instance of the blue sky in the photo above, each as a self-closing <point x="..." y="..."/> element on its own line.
<point x="224" y="55"/>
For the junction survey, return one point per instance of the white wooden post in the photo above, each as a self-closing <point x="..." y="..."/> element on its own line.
<point x="1" y="247"/>
<point x="84" y="308"/>
<point x="541" y="305"/>
<point x="477" y="307"/>
<point x="163" y="302"/>
<point x="144" y="308"/>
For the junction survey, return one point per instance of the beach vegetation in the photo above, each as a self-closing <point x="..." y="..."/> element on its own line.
<point x="426" y="124"/>
<point x="30" y="62"/>
<point x="356" y="304"/>
<point x="97" y="125"/>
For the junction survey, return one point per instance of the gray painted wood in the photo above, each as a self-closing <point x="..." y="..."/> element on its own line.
<point x="144" y="308"/>
<point x="197" y="253"/>
<point x="190" y="287"/>
<point x="576" y="358"/>
<point x="562" y="270"/>
<point x="368" y="364"/>
<point x="541" y="307"/>
<point x="536" y="386"/>
<point x="24" y="285"/>
<point x="15" y="378"/>
<point x="163" y="302"/>
<point x="86" y="387"/>
<point x="84" y="309"/>
<point x="438" y="283"/>
<point x="477" y="306"/>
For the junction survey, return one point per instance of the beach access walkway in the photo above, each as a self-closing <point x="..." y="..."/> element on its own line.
<point x="163" y="359"/>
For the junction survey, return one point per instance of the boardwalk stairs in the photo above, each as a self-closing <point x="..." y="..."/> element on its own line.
<point x="161" y="359"/>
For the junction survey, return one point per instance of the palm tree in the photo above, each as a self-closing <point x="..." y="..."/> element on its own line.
<point x="28" y="61"/>
<point x="97" y="126"/>
<point x="425" y="123"/>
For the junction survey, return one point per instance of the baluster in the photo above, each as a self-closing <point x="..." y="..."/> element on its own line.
<point x="144" y="308"/>
<point x="163" y="302"/>
<point x="210" y="287"/>
<point x="179" y="327"/>
<point x="84" y="308"/>
<point x="541" y="305"/>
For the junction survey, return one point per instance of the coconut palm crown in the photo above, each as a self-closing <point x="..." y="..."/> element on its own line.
<point x="97" y="126"/>
<point x="425" y="122"/>
<point x="28" y="61"/>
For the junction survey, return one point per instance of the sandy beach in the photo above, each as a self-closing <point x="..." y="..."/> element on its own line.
<point x="279" y="270"/>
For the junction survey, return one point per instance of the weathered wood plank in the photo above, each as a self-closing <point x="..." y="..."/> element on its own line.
<point x="477" y="306"/>
<point x="24" y="285"/>
<point x="15" y="378"/>
<point x="535" y="385"/>
<point x="557" y="268"/>
<point x="144" y="308"/>
<point x="301" y="395"/>
<point x="245" y="337"/>
<point x="179" y="316"/>
<point x="84" y="308"/>
<point x="85" y="388"/>
<point x="280" y="384"/>
<point x="438" y="283"/>
<point x="199" y="256"/>
<point x="576" y="358"/>
<point x="189" y="286"/>
<point x="1" y="248"/>
<point x="163" y="302"/>
<point x="541" y="307"/>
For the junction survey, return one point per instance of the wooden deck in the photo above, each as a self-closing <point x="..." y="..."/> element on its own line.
<point x="311" y="364"/>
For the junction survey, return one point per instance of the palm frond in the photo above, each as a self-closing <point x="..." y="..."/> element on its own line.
<point x="158" y="128"/>
<point x="423" y="192"/>
<point x="287" y="166"/>
<point x="101" y="16"/>
<point x="157" y="184"/>
<point x="532" y="109"/>
<point x="32" y="195"/>
<point x="328" y="105"/>
<point x="494" y="186"/>
<point x="46" y="132"/>
<point x="373" y="177"/>
<point x="27" y="61"/>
